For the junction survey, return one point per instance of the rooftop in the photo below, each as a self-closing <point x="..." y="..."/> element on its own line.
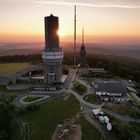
<point x="115" y="87"/>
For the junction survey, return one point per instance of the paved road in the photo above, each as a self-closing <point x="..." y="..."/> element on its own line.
<point x="55" y="94"/>
<point x="69" y="81"/>
<point x="80" y="99"/>
<point x="90" y="106"/>
<point x="52" y="95"/>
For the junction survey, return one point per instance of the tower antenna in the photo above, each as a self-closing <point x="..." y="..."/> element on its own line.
<point x="74" y="36"/>
<point x="83" y="36"/>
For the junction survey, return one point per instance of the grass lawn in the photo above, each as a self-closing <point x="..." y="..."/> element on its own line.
<point x="135" y="127"/>
<point x="135" y="98"/>
<point x="13" y="67"/>
<point x="92" y="98"/>
<point x="30" y="99"/>
<point x="44" y="120"/>
<point x="128" y="130"/>
<point x="88" y="131"/>
<point x="128" y="109"/>
<point x="125" y="109"/>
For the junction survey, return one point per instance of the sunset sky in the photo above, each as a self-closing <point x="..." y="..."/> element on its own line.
<point x="115" y="21"/>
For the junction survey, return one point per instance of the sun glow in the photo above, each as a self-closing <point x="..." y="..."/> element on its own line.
<point x="60" y="33"/>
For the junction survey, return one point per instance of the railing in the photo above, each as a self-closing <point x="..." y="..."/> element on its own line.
<point x="52" y="55"/>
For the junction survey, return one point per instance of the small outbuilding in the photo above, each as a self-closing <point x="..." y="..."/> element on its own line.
<point x="109" y="126"/>
<point x="106" y="119"/>
<point x="96" y="111"/>
<point x="101" y="119"/>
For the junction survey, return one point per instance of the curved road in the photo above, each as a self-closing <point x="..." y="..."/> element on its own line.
<point x="90" y="106"/>
<point x="53" y="95"/>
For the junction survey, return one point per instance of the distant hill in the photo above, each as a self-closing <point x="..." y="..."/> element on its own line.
<point x="131" y="51"/>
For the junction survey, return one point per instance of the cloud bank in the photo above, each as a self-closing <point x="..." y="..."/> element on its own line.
<point x="135" y="4"/>
<point x="129" y="4"/>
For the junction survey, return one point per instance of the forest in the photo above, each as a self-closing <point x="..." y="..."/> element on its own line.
<point x="119" y="66"/>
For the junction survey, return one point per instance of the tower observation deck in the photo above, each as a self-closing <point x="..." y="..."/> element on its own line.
<point x="52" y="55"/>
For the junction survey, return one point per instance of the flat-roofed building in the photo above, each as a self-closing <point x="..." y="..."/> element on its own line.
<point x="112" y="91"/>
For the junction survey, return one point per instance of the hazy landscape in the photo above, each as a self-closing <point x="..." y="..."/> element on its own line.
<point x="131" y="51"/>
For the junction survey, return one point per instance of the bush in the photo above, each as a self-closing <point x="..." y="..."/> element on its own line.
<point x="124" y="131"/>
<point x="92" y="98"/>
<point x="79" y="88"/>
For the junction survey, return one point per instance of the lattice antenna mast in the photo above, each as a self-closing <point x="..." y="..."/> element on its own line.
<point x="74" y="36"/>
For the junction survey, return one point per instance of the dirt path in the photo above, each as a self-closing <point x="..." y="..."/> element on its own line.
<point x="76" y="134"/>
<point x="94" y="123"/>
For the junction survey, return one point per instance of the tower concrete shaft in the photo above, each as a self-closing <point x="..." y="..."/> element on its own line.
<point x="51" y="32"/>
<point x="52" y="54"/>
